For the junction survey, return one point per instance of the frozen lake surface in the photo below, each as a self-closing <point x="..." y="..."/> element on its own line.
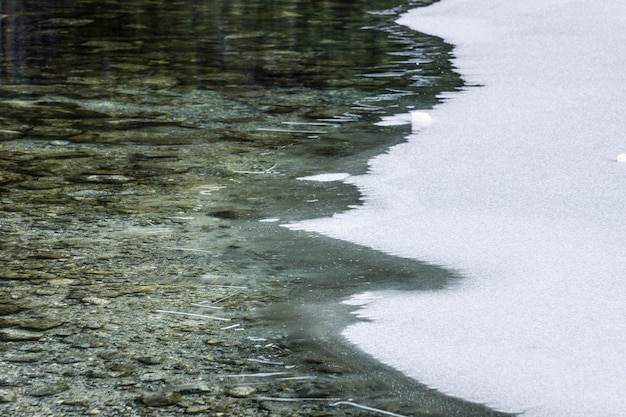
<point x="517" y="185"/>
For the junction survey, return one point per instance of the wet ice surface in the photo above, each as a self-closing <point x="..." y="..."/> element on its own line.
<point x="517" y="187"/>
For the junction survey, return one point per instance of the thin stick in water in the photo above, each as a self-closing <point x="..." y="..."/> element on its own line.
<point x="257" y="375"/>
<point x="265" y="361"/>
<point x="193" y="315"/>
<point x="364" y="407"/>
<point x="227" y="286"/>
<point x="189" y="249"/>
<point x="294" y="400"/>
<point x="227" y="297"/>
<point x="206" y="306"/>
<point x="308" y="132"/>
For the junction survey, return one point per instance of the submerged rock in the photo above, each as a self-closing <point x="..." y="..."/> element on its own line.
<point x="7" y="396"/>
<point x="10" y="134"/>
<point x="40" y="324"/>
<point x="241" y="391"/>
<point x="7" y="309"/>
<point x="18" y="335"/>
<point x="162" y="398"/>
<point x="50" y="389"/>
<point x="192" y="388"/>
<point x="8" y="177"/>
<point x="150" y="360"/>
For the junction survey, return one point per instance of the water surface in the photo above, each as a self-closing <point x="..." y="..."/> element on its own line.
<point x="198" y="117"/>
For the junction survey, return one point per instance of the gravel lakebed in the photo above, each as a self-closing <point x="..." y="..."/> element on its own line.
<point x="119" y="328"/>
<point x="143" y="297"/>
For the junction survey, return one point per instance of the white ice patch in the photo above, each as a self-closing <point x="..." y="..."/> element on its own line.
<point x="420" y="119"/>
<point x="417" y="119"/>
<point x="513" y="188"/>
<point x="395" y="120"/>
<point x="326" y="177"/>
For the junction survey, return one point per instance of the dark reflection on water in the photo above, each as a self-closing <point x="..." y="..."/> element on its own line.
<point x="203" y="44"/>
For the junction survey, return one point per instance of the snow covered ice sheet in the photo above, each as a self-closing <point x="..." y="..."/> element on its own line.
<point x="517" y="186"/>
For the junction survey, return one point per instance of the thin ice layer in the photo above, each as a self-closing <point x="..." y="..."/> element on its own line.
<point x="516" y="186"/>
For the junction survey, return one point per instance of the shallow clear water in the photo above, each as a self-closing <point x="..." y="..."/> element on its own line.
<point x="148" y="113"/>
<point x="200" y="90"/>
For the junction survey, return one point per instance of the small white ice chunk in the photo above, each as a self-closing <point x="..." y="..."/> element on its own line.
<point x="395" y="120"/>
<point x="340" y="176"/>
<point x="621" y="158"/>
<point x="420" y="119"/>
<point x="269" y="220"/>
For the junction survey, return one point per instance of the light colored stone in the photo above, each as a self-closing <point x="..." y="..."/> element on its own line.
<point x="242" y="391"/>
<point x="96" y="301"/>
<point x="192" y="388"/>
<point x="197" y="409"/>
<point x="17" y="335"/>
<point x="7" y="396"/>
<point x="160" y="398"/>
<point x="60" y="281"/>
<point x="50" y="389"/>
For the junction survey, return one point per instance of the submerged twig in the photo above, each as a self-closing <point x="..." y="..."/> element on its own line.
<point x="189" y="249"/>
<point x="256" y="339"/>
<point x="299" y="378"/>
<point x="361" y="106"/>
<point x="227" y="286"/>
<point x="257" y="375"/>
<point x="227" y="297"/>
<point x="339" y="120"/>
<point x="364" y="407"/>
<point x="193" y="315"/>
<point x="306" y="124"/>
<point x="265" y="361"/>
<point x="307" y="132"/>
<point x="294" y="400"/>
<point x="206" y="306"/>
